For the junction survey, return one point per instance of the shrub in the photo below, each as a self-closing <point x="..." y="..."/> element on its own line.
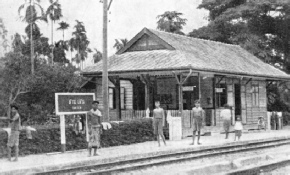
<point x="48" y="139"/>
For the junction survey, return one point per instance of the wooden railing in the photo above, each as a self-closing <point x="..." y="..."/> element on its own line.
<point x="136" y="114"/>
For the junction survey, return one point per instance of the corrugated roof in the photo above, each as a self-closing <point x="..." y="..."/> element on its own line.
<point x="197" y="54"/>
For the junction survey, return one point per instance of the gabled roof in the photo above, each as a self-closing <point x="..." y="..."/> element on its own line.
<point x="184" y="52"/>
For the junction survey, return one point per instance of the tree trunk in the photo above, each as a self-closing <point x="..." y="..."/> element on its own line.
<point x="31" y="41"/>
<point x="52" y="56"/>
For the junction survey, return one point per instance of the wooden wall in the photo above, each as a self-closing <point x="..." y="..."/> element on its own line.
<point x="249" y="112"/>
<point x="128" y="96"/>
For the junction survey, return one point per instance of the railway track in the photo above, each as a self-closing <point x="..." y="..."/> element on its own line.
<point x="260" y="169"/>
<point x="139" y="163"/>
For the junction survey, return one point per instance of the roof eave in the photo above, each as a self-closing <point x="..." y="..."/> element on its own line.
<point x="99" y="73"/>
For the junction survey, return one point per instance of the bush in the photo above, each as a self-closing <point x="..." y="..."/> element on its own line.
<point x="48" y="139"/>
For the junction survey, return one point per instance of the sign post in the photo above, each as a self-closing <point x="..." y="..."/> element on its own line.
<point x="62" y="133"/>
<point x="72" y="103"/>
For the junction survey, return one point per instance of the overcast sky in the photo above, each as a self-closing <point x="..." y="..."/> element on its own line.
<point x="127" y="17"/>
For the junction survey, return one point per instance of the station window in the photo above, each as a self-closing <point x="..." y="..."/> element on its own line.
<point x="255" y="95"/>
<point x="221" y="96"/>
<point x="112" y="98"/>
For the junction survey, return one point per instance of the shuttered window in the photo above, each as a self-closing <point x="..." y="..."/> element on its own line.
<point x="122" y="98"/>
<point x="255" y="95"/>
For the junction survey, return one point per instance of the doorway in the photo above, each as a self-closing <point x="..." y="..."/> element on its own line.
<point x="188" y="100"/>
<point x="237" y="100"/>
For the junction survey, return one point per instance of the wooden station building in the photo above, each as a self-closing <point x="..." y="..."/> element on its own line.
<point x="177" y="70"/>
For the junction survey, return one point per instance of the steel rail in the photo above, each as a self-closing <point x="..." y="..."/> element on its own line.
<point x="156" y="160"/>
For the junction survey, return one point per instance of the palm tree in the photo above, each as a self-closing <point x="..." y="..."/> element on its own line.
<point x="63" y="26"/>
<point x="80" y="43"/>
<point x="54" y="13"/>
<point x="120" y="44"/>
<point x="170" y="21"/>
<point x="97" y="56"/>
<point x="31" y="16"/>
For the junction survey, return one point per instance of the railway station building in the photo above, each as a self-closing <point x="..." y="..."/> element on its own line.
<point x="177" y="70"/>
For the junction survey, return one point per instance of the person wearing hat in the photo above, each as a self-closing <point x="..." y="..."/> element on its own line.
<point x="13" y="140"/>
<point x="94" y="126"/>
<point x="197" y="120"/>
<point x="226" y="115"/>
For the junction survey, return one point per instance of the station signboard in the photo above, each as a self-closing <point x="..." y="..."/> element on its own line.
<point x="73" y="103"/>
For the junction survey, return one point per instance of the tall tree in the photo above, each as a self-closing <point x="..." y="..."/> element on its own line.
<point x="33" y="12"/>
<point x="119" y="44"/>
<point x="80" y="43"/>
<point x="54" y="13"/>
<point x="261" y="27"/>
<point x="63" y="26"/>
<point x="171" y="21"/>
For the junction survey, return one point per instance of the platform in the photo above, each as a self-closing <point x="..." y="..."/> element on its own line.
<point x="39" y="163"/>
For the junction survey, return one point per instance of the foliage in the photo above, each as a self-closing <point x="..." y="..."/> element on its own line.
<point x="79" y="42"/>
<point x="15" y="78"/>
<point x="34" y="93"/>
<point x="261" y="27"/>
<point x="170" y="21"/>
<point x="3" y="35"/>
<point x="119" y="44"/>
<point x="97" y="56"/>
<point x="278" y="97"/>
<point x="59" y="52"/>
<point x="54" y="11"/>
<point x="48" y="140"/>
<point x="63" y="26"/>
<point x="33" y="13"/>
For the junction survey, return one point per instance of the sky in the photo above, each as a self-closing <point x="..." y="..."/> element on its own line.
<point x="126" y="18"/>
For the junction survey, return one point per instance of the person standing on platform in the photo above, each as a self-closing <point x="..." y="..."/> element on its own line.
<point x="197" y="121"/>
<point x="226" y="115"/>
<point x="94" y="126"/>
<point x="158" y="122"/>
<point x="13" y="140"/>
<point x="238" y="128"/>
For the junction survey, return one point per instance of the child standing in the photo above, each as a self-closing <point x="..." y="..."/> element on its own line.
<point x="261" y="123"/>
<point x="238" y="128"/>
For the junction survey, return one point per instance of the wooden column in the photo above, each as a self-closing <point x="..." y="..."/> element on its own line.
<point x="180" y="82"/>
<point x="62" y="133"/>
<point x="116" y="81"/>
<point x="146" y="80"/>
<point x="199" y="92"/>
<point x="214" y="101"/>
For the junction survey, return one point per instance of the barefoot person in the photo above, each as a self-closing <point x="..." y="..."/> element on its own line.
<point x="158" y="122"/>
<point x="197" y="120"/>
<point x="238" y="128"/>
<point x="226" y="115"/>
<point x="94" y="126"/>
<point x="13" y="140"/>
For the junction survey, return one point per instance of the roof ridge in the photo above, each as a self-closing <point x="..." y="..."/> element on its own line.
<point x="188" y="37"/>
